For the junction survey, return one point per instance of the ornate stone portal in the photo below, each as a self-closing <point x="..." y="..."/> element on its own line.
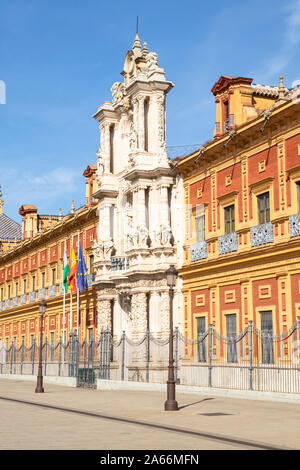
<point x="138" y="238"/>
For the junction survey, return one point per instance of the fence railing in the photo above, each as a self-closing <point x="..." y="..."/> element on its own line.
<point x="253" y="360"/>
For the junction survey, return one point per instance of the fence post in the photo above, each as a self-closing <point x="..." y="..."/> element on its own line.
<point x="46" y="349"/>
<point x="147" y="354"/>
<point x="210" y="354"/>
<point x="33" y="355"/>
<point x="100" y="374"/>
<point x="176" y="354"/>
<point x="251" y="354"/>
<point x="298" y="327"/>
<point x="11" y="356"/>
<point x="59" y="357"/>
<point x="123" y="356"/>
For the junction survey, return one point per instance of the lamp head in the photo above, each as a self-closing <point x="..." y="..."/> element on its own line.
<point x="171" y="274"/>
<point x="42" y="306"/>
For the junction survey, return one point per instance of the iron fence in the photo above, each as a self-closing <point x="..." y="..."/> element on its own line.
<point x="253" y="360"/>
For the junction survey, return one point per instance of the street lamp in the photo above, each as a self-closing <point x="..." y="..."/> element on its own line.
<point x="171" y="404"/>
<point x="39" y="383"/>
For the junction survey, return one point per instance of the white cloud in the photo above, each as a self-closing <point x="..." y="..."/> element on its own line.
<point x="290" y="43"/>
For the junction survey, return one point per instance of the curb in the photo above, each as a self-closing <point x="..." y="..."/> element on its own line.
<point x="186" y="389"/>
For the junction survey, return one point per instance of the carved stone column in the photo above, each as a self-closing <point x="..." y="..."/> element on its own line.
<point x="139" y="327"/>
<point x="164" y="313"/>
<point x="104" y="314"/>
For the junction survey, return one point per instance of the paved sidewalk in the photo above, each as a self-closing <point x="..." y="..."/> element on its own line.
<point x="25" y="426"/>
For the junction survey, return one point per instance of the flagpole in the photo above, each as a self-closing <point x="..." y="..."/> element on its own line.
<point x="78" y="233"/>
<point x="64" y="302"/>
<point x="71" y="323"/>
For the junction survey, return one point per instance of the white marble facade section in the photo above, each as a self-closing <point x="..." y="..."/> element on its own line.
<point x="137" y="193"/>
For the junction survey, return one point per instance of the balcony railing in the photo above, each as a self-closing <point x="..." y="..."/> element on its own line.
<point x="262" y="234"/>
<point x="198" y="251"/>
<point x="89" y="279"/>
<point x="15" y="301"/>
<point x="228" y="243"/>
<point x="119" y="263"/>
<point x="1" y="305"/>
<point x="294" y="221"/>
<point x="42" y="294"/>
<point x="23" y="299"/>
<point x="52" y="291"/>
<point x="32" y="296"/>
<point x="7" y="303"/>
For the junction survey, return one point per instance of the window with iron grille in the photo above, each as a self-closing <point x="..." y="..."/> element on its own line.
<point x="32" y="348"/>
<point x="267" y="353"/>
<point x="231" y="337"/>
<point x="90" y="342"/>
<point x="201" y="342"/>
<point x="229" y="219"/>
<point x="263" y="201"/>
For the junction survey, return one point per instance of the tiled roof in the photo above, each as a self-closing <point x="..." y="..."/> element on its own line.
<point x="9" y="229"/>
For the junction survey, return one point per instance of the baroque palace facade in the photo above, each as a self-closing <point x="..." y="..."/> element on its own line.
<point x="242" y="236"/>
<point x="31" y="270"/>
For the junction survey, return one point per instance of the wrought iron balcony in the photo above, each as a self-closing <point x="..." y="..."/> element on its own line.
<point x="15" y="301"/>
<point x="228" y="243"/>
<point x="89" y="279"/>
<point x="294" y="221"/>
<point x="7" y="303"/>
<point x="198" y="251"/>
<point x="23" y="299"/>
<point x="32" y="296"/>
<point x="1" y="305"/>
<point x="262" y="234"/>
<point x="42" y="294"/>
<point x="52" y="291"/>
<point x="119" y="263"/>
<point x="61" y="288"/>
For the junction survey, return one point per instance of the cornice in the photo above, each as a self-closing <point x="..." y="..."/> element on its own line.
<point x="243" y="137"/>
<point x="53" y="232"/>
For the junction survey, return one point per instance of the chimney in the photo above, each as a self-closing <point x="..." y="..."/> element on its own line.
<point x="29" y="221"/>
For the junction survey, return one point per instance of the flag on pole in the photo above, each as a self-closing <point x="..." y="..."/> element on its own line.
<point x="65" y="270"/>
<point x="72" y="272"/>
<point x="81" y="280"/>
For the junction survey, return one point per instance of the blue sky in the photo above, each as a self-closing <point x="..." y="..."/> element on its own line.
<point x="59" y="59"/>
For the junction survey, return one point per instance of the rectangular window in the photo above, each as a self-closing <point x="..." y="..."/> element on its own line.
<point x="33" y="283"/>
<point x="43" y="280"/>
<point x="146" y="123"/>
<point x="24" y="286"/>
<point x="8" y="292"/>
<point x="226" y="116"/>
<point x="201" y="342"/>
<point x="90" y="343"/>
<point x="263" y="202"/>
<point x="200" y="228"/>
<point x="17" y="288"/>
<point x="32" y="348"/>
<point x="111" y="142"/>
<point x="2" y="294"/>
<point x="23" y="349"/>
<point x="267" y="353"/>
<point x="91" y="260"/>
<point x="53" y="276"/>
<point x="298" y="195"/>
<point x="229" y="216"/>
<point x="231" y="338"/>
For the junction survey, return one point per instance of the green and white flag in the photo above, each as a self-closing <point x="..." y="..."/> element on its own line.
<point x="65" y="270"/>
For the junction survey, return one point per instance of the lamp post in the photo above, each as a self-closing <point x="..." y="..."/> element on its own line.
<point x="171" y="404"/>
<point x="39" y="383"/>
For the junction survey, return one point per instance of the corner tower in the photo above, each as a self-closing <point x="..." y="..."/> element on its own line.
<point x="137" y="194"/>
